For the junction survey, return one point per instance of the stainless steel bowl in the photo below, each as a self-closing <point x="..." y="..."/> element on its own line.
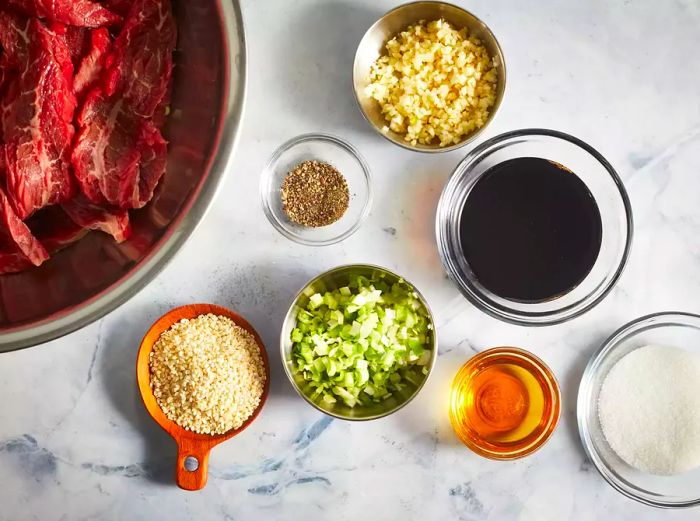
<point x="333" y="279"/>
<point x="372" y="47"/>
<point x="92" y="277"/>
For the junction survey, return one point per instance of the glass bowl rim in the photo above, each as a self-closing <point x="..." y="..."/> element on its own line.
<point x="672" y="318"/>
<point x="553" y="419"/>
<point x="267" y="174"/>
<point x="509" y="314"/>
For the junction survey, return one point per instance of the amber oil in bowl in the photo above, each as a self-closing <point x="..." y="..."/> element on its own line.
<point x="504" y="403"/>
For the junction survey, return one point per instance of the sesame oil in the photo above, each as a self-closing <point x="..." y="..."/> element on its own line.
<point x="504" y="403"/>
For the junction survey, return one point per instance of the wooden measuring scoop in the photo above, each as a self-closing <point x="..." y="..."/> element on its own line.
<point x="192" y="448"/>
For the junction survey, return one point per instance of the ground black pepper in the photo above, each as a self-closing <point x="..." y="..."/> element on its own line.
<point x="315" y="194"/>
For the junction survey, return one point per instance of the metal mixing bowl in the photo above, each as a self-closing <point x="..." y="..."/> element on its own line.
<point x="92" y="277"/>
<point x="333" y="279"/>
<point x="372" y="47"/>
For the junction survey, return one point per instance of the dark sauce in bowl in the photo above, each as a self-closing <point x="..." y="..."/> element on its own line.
<point x="530" y="230"/>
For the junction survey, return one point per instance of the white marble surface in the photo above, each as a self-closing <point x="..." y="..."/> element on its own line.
<point x="75" y="442"/>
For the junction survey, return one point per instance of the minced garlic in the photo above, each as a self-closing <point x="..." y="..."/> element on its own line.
<point x="436" y="84"/>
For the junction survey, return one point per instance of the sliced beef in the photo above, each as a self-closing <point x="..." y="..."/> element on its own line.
<point x="118" y="157"/>
<point x="37" y="115"/>
<point x="6" y="74"/>
<point x="88" y="50"/>
<point x="55" y="229"/>
<point x="163" y="108"/>
<point x="96" y="217"/>
<point x="140" y="68"/>
<point x="13" y="262"/>
<point x="78" y="42"/>
<point x="119" y="154"/>
<point x="120" y="7"/>
<point x="14" y="39"/>
<point x="93" y="61"/>
<point x="154" y="157"/>
<point x="16" y="240"/>
<point x="82" y="13"/>
<point x="52" y="228"/>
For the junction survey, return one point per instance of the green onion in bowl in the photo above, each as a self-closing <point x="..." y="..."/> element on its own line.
<point x="362" y="342"/>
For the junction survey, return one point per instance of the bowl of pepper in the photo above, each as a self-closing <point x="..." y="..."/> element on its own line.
<point x="316" y="189"/>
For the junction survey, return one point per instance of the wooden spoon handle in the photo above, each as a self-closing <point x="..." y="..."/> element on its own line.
<point x="192" y="463"/>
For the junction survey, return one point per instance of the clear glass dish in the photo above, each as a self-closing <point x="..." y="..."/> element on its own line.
<point x="668" y="329"/>
<point x="605" y="186"/>
<point x="328" y="149"/>
<point x="545" y="383"/>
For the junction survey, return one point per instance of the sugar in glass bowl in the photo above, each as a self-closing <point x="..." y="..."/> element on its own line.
<point x="667" y="329"/>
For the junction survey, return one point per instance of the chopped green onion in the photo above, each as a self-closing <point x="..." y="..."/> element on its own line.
<point x="362" y="342"/>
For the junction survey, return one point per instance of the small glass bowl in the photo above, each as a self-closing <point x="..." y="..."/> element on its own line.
<point x="542" y="377"/>
<point x="328" y="149"/>
<point x="670" y="329"/>
<point x="605" y="186"/>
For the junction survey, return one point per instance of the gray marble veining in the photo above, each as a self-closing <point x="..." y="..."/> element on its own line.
<point x="75" y="442"/>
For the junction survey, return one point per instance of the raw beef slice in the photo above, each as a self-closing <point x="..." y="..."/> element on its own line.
<point x="14" y="39"/>
<point x="17" y="244"/>
<point x="37" y="115"/>
<point x="53" y="229"/>
<point x="82" y="13"/>
<point x="121" y="7"/>
<point x="118" y="157"/>
<point x="119" y="154"/>
<point x="140" y="68"/>
<point x="93" y="61"/>
<point x="78" y="42"/>
<point x="95" y="217"/>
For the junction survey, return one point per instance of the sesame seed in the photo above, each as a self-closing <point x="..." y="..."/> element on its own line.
<point x="207" y="374"/>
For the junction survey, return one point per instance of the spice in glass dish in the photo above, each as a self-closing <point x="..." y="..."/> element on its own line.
<point x="315" y="194"/>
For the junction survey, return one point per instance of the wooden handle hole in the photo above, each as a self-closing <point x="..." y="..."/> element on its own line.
<point x="190" y="463"/>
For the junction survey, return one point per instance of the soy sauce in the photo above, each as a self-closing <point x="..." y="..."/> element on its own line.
<point x="530" y="230"/>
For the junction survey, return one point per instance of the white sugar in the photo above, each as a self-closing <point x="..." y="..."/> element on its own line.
<point x="649" y="409"/>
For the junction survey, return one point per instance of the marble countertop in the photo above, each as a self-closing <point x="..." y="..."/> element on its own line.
<point x="75" y="441"/>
